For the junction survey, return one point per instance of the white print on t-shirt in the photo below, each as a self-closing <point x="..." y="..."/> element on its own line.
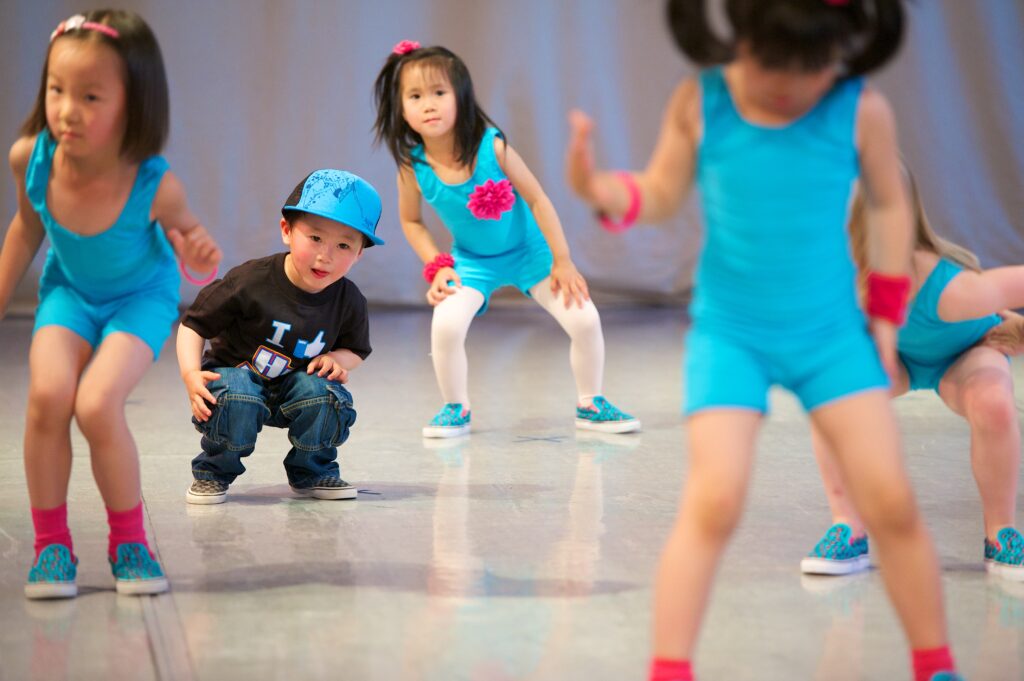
<point x="267" y="362"/>
<point x="279" y="330"/>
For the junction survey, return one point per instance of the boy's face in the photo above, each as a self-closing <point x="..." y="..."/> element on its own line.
<point x="322" y="251"/>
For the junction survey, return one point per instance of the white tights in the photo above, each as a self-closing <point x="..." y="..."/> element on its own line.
<point x="452" y="318"/>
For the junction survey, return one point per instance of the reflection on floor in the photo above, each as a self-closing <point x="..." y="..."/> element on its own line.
<point x="524" y="551"/>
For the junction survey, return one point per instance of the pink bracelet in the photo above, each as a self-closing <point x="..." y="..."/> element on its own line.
<point x="440" y="261"/>
<point x="632" y="213"/>
<point x="192" y="280"/>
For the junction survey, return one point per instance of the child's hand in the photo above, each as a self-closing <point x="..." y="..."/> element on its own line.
<point x="1008" y="336"/>
<point x="440" y="287"/>
<point x="198" y="394"/>
<point x="196" y="248"/>
<point x="327" y="367"/>
<point x="884" y="333"/>
<point x="579" y="162"/>
<point x="567" y="279"/>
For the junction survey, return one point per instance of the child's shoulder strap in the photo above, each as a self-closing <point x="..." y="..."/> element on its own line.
<point x="37" y="174"/>
<point x="147" y="180"/>
<point x="487" y="165"/>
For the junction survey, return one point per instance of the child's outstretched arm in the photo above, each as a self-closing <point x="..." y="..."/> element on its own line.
<point x="418" y="236"/>
<point x="25" y="233"/>
<point x="663" y="184"/>
<point x="190" y="354"/>
<point x="190" y="240"/>
<point x="564" y="275"/>
<point x="888" y="215"/>
<point x="976" y="294"/>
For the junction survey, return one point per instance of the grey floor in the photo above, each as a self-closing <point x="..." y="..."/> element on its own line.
<point x="525" y="551"/>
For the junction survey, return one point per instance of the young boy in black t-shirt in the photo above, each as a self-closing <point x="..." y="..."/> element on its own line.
<point x="284" y="332"/>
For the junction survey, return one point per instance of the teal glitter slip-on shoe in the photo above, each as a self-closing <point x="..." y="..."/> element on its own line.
<point x="837" y="554"/>
<point x="136" y="572"/>
<point x="53" y="575"/>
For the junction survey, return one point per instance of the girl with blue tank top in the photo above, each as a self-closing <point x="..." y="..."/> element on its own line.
<point x="952" y="343"/>
<point x="505" y="231"/>
<point x="89" y="180"/>
<point x="774" y="132"/>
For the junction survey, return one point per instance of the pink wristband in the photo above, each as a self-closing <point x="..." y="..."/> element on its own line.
<point x="440" y="261"/>
<point x="887" y="297"/>
<point x="632" y="213"/>
<point x="192" y="280"/>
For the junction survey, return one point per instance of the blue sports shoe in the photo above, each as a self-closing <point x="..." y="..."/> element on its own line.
<point x="1005" y="556"/>
<point x="53" y="575"/>
<point x="605" y="417"/>
<point x="136" y="572"/>
<point x="837" y="554"/>
<point x="451" y="421"/>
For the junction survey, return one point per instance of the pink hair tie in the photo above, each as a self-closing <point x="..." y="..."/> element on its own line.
<point x="192" y="280"/>
<point x="405" y="47"/>
<point x="632" y="213"/>
<point x="440" y="261"/>
<point x="78" y="22"/>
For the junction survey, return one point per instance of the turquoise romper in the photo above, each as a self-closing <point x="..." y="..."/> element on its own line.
<point x="928" y="346"/>
<point x="123" y="279"/>
<point x="775" y="299"/>
<point x="509" y="251"/>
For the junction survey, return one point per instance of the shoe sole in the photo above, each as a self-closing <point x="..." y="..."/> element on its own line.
<point x="141" y="587"/>
<point x="1012" y="573"/>
<point x="205" y="499"/>
<point x="630" y="426"/>
<point x="445" y="431"/>
<point x="825" y="566"/>
<point x="329" y="493"/>
<point x="49" y="590"/>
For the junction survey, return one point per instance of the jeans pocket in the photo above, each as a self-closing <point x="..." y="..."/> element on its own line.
<point x="338" y="417"/>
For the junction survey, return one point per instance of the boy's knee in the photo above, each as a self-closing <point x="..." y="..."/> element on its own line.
<point x="322" y="417"/>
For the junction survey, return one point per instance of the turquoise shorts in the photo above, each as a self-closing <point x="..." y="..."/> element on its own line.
<point x="722" y="372"/>
<point x="523" y="268"/>
<point x="147" y="315"/>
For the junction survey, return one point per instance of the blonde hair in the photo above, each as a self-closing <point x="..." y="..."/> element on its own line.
<point x="925" y="238"/>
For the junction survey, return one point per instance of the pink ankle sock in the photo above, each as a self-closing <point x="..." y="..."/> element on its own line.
<point x="125" y="528"/>
<point x="51" y="526"/>
<point x="931" y="661"/>
<point x="670" y="670"/>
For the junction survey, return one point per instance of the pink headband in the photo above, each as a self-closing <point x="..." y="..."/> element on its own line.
<point x="78" y="22"/>
<point x="405" y="47"/>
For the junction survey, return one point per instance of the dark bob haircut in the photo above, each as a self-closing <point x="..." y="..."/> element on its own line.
<point x="390" y="127"/>
<point x="805" y="35"/>
<point x="147" y="108"/>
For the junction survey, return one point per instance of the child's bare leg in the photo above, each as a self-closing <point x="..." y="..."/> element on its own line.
<point x="979" y="387"/>
<point x="871" y="464"/>
<point x="452" y="317"/>
<point x="118" y="365"/>
<point x="835" y="491"/>
<point x="586" y="341"/>
<point x="721" y="453"/>
<point x="56" y="358"/>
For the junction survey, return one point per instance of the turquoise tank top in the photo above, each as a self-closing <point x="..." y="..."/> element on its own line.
<point x="515" y="229"/>
<point x="129" y="257"/>
<point x="927" y="339"/>
<point x="776" y="265"/>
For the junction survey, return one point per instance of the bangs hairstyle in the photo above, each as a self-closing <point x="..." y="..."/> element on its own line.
<point x="390" y="127"/>
<point x="802" y="35"/>
<point x="147" y="108"/>
<point x="925" y="238"/>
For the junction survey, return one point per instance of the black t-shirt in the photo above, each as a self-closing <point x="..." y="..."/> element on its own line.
<point x="255" y="316"/>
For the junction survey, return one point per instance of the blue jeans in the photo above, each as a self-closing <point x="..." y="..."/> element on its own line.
<point x="317" y="413"/>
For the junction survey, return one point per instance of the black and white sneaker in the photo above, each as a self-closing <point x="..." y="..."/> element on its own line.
<point x="327" y="487"/>
<point x="207" y="492"/>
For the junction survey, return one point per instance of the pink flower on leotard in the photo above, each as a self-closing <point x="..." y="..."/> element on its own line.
<point x="490" y="199"/>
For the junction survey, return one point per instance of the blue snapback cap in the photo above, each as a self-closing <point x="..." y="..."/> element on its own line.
<point x="340" y="196"/>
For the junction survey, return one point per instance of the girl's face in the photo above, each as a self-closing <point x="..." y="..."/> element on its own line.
<point x="85" y="97"/>
<point x="428" y="101"/>
<point x="787" y="93"/>
<point x="322" y="251"/>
